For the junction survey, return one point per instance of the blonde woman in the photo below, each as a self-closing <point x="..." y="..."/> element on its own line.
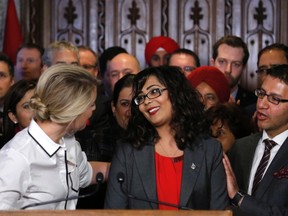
<point x="44" y="161"/>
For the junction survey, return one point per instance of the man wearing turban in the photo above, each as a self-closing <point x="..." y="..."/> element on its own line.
<point x="212" y="85"/>
<point x="158" y="49"/>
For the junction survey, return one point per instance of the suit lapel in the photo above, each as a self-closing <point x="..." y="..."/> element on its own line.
<point x="249" y="152"/>
<point x="145" y="163"/>
<point x="279" y="161"/>
<point x="193" y="160"/>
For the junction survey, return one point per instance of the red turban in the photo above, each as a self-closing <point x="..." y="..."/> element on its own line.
<point x="214" y="78"/>
<point x="155" y="43"/>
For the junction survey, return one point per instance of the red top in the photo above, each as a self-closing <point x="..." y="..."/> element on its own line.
<point x="168" y="179"/>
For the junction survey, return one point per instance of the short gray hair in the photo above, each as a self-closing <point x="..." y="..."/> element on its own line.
<point x="55" y="47"/>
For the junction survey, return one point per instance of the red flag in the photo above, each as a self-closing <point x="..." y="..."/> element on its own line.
<point x="12" y="35"/>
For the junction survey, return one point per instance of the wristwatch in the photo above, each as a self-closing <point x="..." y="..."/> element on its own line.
<point x="236" y="199"/>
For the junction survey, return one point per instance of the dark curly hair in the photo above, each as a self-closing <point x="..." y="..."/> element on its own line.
<point x="235" y="116"/>
<point x="188" y="120"/>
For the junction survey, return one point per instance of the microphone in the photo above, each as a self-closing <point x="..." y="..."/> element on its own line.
<point x="121" y="178"/>
<point x="99" y="180"/>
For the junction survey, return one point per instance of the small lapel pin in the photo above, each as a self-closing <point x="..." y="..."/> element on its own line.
<point x="193" y="166"/>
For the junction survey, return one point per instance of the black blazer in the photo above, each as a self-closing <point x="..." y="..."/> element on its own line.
<point x="203" y="178"/>
<point x="271" y="197"/>
<point x="247" y="99"/>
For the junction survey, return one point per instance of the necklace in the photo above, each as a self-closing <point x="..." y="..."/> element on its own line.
<point x="164" y="150"/>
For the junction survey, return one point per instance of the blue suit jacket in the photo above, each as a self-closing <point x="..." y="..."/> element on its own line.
<point x="271" y="197"/>
<point x="203" y="185"/>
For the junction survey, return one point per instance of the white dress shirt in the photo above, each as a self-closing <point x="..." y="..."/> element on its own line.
<point x="279" y="139"/>
<point x="33" y="169"/>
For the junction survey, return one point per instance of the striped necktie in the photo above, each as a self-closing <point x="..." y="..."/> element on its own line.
<point x="269" y="144"/>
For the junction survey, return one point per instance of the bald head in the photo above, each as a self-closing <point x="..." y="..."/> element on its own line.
<point x="124" y="62"/>
<point x="118" y="67"/>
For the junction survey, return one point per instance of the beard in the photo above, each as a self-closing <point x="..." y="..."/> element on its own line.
<point x="232" y="80"/>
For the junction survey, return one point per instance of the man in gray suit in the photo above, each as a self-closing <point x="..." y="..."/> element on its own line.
<point x="261" y="167"/>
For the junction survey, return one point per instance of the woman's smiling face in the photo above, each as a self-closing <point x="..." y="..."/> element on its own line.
<point x="158" y="111"/>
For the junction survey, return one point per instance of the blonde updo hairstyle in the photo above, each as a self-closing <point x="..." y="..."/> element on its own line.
<point x="63" y="92"/>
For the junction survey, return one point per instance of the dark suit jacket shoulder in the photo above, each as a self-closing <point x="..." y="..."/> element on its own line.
<point x="241" y="157"/>
<point x="203" y="178"/>
<point x="271" y="196"/>
<point x="246" y="97"/>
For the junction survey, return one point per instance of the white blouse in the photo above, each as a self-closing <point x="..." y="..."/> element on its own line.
<point x="33" y="169"/>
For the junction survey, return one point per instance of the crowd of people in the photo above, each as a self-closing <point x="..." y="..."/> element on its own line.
<point x="174" y="135"/>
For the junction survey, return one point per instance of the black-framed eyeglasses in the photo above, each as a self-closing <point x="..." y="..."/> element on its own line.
<point x="89" y="67"/>
<point x="188" y="69"/>
<point x="261" y="70"/>
<point x="264" y="70"/>
<point x="153" y="93"/>
<point x="261" y="93"/>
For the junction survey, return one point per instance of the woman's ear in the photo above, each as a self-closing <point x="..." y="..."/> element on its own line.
<point x="12" y="117"/>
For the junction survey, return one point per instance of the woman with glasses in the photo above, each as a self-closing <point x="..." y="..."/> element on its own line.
<point x="167" y="160"/>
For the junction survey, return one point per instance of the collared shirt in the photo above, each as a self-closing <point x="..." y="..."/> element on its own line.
<point x="33" y="169"/>
<point x="279" y="139"/>
<point x="235" y="91"/>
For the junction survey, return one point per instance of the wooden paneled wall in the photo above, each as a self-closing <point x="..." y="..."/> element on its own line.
<point x="195" y="24"/>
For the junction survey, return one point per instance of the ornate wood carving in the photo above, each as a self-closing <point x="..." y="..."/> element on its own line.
<point x="196" y="15"/>
<point x="260" y="32"/>
<point x="195" y="24"/>
<point x="33" y="20"/>
<point x="164" y="17"/>
<point x="69" y="13"/>
<point x="260" y="15"/>
<point x="195" y="31"/>
<point x="132" y="35"/>
<point x="133" y="15"/>
<point x="69" y="24"/>
<point x="228" y="17"/>
<point x="133" y="27"/>
<point x="32" y="24"/>
<point x="101" y="26"/>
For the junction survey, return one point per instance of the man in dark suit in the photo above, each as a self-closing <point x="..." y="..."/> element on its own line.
<point x="261" y="167"/>
<point x="230" y="55"/>
<point x="270" y="56"/>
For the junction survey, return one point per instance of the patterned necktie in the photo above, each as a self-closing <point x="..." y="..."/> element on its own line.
<point x="269" y="144"/>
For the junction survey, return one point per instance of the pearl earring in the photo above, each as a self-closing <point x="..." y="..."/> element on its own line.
<point x="15" y="122"/>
